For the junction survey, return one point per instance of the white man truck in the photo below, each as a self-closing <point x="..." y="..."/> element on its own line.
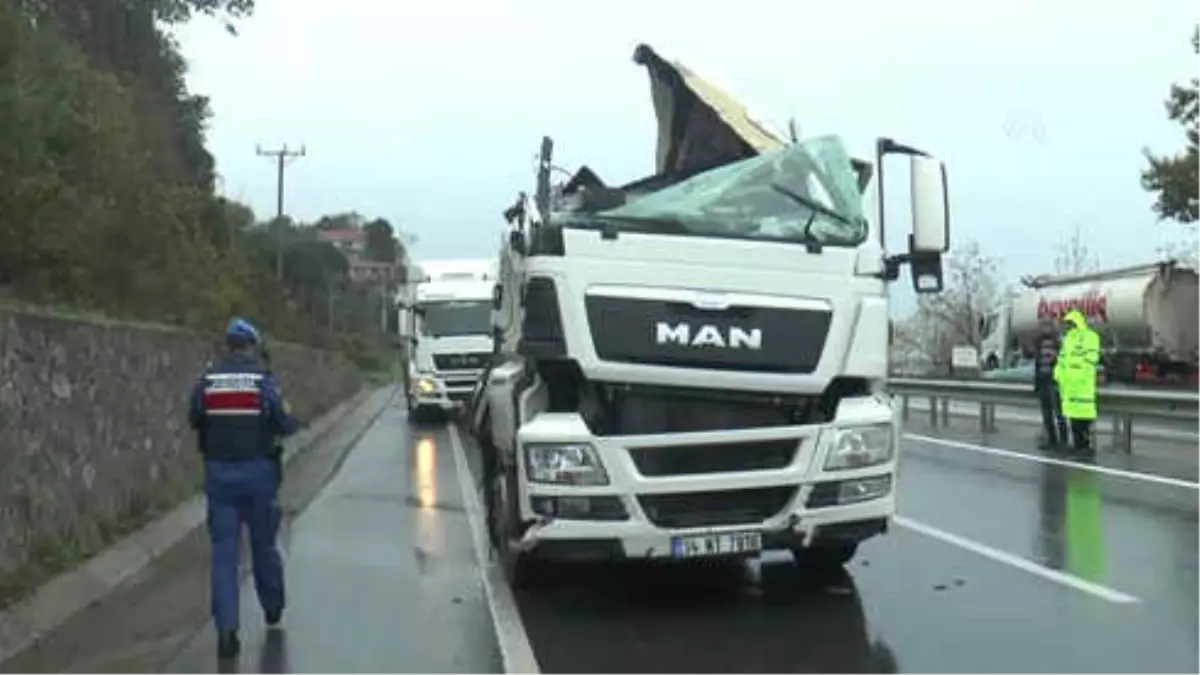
<point x="695" y="363"/>
<point x="448" y="323"/>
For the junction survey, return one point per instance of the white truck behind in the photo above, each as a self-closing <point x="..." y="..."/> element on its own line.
<point x="695" y="364"/>
<point x="448" y="323"/>
<point x="1146" y="316"/>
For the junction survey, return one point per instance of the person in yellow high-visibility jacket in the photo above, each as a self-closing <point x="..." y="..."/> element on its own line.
<point x="1075" y="373"/>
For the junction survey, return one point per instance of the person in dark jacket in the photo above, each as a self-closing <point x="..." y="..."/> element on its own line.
<point x="1045" y="356"/>
<point x="238" y="412"/>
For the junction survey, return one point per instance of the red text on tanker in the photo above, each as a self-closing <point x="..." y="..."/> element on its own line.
<point x="1093" y="305"/>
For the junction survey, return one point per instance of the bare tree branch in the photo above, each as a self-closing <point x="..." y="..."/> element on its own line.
<point x="956" y="316"/>
<point x="1074" y="256"/>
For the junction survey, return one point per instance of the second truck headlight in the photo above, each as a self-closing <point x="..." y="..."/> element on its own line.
<point x="858" y="447"/>
<point x="564" y="464"/>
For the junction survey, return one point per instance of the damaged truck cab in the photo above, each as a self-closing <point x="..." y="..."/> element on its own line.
<point x="694" y="364"/>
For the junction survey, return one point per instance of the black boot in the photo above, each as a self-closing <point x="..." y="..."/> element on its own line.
<point x="273" y="617"/>
<point x="228" y="645"/>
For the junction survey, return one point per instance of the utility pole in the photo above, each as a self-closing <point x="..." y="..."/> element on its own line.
<point x="387" y="302"/>
<point x="329" y="300"/>
<point x="281" y="157"/>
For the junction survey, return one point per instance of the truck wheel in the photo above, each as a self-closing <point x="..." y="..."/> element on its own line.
<point x="824" y="558"/>
<point x="421" y="415"/>
<point x="1124" y="369"/>
<point x="504" y="531"/>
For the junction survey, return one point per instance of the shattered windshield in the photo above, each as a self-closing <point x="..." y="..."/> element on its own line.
<point x="799" y="193"/>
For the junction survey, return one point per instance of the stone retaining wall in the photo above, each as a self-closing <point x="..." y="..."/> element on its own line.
<point x="93" y="429"/>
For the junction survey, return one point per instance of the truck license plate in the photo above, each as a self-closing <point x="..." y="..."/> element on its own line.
<point x="720" y="543"/>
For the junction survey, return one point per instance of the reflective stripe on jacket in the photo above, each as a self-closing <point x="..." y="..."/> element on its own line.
<point x="1075" y="371"/>
<point x="238" y="410"/>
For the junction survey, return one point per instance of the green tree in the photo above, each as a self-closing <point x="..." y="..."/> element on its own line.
<point x="107" y="186"/>
<point x="381" y="241"/>
<point x="1175" y="177"/>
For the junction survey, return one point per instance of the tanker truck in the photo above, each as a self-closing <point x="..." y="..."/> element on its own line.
<point x="1146" y="316"/>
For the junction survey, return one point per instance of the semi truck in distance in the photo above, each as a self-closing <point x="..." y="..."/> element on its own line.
<point x="1146" y="316"/>
<point x="446" y="319"/>
<point x="694" y="364"/>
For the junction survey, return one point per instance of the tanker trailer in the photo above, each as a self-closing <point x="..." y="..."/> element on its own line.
<point x="1146" y="316"/>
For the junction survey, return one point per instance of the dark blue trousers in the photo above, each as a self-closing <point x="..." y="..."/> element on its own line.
<point x="243" y="492"/>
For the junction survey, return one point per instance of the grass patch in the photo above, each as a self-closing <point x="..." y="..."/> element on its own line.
<point x="53" y="554"/>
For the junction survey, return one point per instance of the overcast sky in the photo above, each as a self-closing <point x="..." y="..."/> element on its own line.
<point x="429" y="113"/>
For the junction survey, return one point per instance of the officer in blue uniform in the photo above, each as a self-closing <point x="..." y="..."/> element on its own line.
<point x="238" y="412"/>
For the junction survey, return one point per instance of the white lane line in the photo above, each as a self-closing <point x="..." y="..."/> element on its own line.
<point x="1018" y="562"/>
<point x="515" y="649"/>
<point x="1119" y="473"/>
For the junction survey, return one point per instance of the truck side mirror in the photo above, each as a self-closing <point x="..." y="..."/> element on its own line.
<point x="930" y="236"/>
<point x="930" y="206"/>
<point x="497" y="296"/>
<point x="516" y="241"/>
<point x="926" y="270"/>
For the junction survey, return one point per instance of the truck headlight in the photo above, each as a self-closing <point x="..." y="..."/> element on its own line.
<point x="427" y="385"/>
<point x="564" y="464"/>
<point x="857" y="447"/>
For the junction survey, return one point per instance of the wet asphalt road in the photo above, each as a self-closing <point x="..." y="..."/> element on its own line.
<point x="382" y="578"/>
<point x="380" y="572"/>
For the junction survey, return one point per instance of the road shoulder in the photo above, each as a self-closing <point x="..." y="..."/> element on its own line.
<point x="130" y="608"/>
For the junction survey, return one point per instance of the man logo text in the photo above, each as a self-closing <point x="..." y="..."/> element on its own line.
<point x="707" y="335"/>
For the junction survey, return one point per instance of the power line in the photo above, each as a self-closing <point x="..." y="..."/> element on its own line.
<point x="281" y="157"/>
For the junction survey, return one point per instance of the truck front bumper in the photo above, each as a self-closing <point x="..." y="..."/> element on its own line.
<point x="793" y="529"/>
<point x="659" y="514"/>
<point x="443" y="390"/>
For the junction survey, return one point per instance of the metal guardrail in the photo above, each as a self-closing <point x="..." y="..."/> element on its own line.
<point x="1123" y="405"/>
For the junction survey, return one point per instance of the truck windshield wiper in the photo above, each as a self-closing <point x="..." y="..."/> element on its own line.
<point x="810" y="204"/>
<point x="811" y="242"/>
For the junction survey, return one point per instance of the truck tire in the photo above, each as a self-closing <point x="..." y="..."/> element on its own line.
<point x="1124" y="369"/>
<point x="419" y="415"/>
<point x="503" y="520"/>
<point x="824" y="558"/>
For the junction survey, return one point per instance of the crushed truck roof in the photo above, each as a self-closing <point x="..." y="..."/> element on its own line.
<point x="700" y="127"/>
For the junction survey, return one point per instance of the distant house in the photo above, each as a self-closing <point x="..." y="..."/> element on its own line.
<point x="368" y="271"/>
<point x="351" y="242"/>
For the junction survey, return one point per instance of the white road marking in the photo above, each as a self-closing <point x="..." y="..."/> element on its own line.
<point x="515" y="649"/>
<point x="1018" y="562"/>
<point x="1000" y="452"/>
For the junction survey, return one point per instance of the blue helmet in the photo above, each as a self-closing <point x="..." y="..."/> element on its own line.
<point x="243" y="329"/>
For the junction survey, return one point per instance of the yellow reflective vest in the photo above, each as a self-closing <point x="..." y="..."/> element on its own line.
<point x="1075" y="371"/>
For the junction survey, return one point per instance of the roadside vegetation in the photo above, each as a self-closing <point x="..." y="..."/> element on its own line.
<point x="108" y="190"/>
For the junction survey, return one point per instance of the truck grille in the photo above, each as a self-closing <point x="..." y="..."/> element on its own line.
<point x="714" y="457"/>
<point x="662" y="332"/>
<point x="639" y="409"/>
<point x="726" y="507"/>
<point x="463" y="361"/>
